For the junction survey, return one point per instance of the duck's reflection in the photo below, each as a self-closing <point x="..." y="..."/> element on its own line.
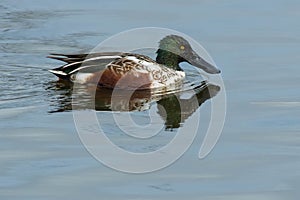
<point x="174" y="107"/>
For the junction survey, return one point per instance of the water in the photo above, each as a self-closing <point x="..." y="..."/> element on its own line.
<point x="256" y="45"/>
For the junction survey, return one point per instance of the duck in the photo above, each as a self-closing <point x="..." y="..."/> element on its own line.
<point x="131" y="71"/>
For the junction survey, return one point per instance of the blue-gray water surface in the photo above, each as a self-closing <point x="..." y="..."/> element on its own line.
<point x="255" y="43"/>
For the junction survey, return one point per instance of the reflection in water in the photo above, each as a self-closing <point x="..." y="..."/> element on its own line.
<point x="174" y="108"/>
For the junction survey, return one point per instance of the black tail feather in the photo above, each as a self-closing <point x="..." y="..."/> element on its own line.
<point x="68" y="58"/>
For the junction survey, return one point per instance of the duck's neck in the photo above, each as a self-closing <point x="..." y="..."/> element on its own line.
<point x="168" y="59"/>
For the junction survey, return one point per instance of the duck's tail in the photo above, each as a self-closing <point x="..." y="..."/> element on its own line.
<point x="75" y="62"/>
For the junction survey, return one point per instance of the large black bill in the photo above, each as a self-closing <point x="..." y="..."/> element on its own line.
<point x="195" y="60"/>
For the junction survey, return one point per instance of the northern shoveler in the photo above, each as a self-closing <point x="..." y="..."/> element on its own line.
<point x="133" y="71"/>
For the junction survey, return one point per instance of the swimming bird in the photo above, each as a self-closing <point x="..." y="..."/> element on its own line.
<point x="133" y="71"/>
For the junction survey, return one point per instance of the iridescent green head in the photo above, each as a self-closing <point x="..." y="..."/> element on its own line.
<point x="174" y="49"/>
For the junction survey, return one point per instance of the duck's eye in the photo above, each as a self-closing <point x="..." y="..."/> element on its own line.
<point x="182" y="47"/>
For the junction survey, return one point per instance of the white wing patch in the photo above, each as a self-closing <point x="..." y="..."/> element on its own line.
<point x="81" y="78"/>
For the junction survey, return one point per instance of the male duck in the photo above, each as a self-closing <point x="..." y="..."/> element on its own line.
<point x="133" y="71"/>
